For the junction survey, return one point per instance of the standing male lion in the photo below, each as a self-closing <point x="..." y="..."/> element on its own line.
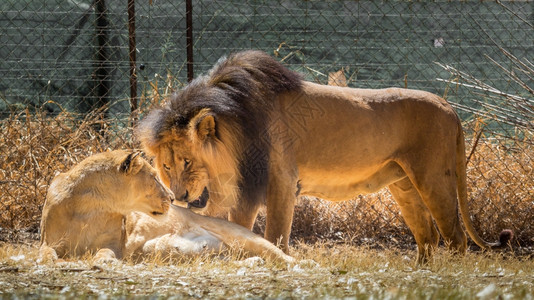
<point x="252" y="132"/>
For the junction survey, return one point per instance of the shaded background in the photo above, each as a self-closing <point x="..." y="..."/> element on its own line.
<point x="50" y="48"/>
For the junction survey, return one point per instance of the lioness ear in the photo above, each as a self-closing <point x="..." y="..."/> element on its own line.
<point x="206" y="127"/>
<point x="131" y="165"/>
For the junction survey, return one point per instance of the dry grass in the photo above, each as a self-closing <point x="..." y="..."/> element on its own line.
<point x="323" y="271"/>
<point x="34" y="148"/>
<point x="501" y="180"/>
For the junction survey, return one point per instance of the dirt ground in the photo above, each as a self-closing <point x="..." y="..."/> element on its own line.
<point x="322" y="271"/>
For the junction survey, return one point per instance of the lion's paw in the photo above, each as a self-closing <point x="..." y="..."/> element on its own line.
<point x="105" y="256"/>
<point x="47" y="255"/>
<point x="251" y="262"/>
<point x="304" y="264"/>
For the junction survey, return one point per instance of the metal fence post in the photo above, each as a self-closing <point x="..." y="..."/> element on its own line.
<point x="132" y="58"/>
<point x="103" y="79"/>
<point x="189" y="38"/>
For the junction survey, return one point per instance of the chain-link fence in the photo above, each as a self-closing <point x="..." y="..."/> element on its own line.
<point x="64" y="61"/>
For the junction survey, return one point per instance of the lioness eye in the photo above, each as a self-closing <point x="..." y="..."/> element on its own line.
<point x="186" y="162"/>
<point x="166" y="167"/>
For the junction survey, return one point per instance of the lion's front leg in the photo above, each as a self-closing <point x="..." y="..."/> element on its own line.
<point x="244" y="213"/>
<point x="281" y="199"/>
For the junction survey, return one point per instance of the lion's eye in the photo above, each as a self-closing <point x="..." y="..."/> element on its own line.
<point x="187" y="162"/>
<point x="167" y="168"/>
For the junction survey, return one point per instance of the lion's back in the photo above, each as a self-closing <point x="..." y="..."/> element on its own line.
<point x="69" y="194"/>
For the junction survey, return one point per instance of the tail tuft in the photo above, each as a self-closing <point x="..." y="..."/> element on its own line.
<point x="505" y="237"/>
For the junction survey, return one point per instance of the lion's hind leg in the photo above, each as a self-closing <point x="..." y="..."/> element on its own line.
<point x="188" y="244"/>
<point x="417" y="217"/>
<point x="443" y="206"/>
<point x="437" y="187"/>
<point x="238" y="237"/>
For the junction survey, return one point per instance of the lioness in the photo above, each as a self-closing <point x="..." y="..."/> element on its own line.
<point x="251" y="132"/>
<point x="113" y="204"/>
<point x="85" y="207"/>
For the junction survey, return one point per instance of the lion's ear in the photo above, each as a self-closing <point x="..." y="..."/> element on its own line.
<point x="206" y="127"/>
<point x="131" y="164"/>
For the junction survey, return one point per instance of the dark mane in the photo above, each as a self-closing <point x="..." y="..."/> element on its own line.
<point x="239" y="90"/>
<point x="240" y="87"/>
<point x="253" y="72"/>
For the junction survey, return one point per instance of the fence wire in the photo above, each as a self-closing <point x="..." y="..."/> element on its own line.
<point x="66" y="61"/>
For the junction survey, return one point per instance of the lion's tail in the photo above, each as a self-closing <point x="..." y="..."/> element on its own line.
<point x="461" y="180"/>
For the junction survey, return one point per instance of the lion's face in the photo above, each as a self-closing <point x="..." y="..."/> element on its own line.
<point x="147" y="192"/>
<point x="184" y="172"/>
<point x="198" y="166"/>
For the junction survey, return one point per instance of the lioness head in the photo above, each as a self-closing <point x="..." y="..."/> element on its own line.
<point x="193" y="161"/>
<point x="145" y="191"/>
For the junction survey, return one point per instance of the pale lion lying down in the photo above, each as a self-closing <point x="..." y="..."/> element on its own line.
<point x="113" y="205"/>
